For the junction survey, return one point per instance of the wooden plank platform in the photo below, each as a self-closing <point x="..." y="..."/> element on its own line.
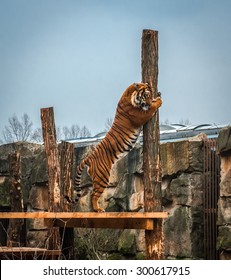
<point x="28" y="253"/>
<point x="132" y="220"/>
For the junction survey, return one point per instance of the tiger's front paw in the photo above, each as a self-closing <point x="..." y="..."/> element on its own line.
<point x="99" y="210"/>
<point x="157" y="101"/>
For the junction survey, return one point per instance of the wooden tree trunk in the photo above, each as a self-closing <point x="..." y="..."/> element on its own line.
<point x="52" y="155"/>
<point x="53" y="165"/>
<point x="66" y="163"/>
<point x="16" y="199"/>
<point x="151" y="149"/>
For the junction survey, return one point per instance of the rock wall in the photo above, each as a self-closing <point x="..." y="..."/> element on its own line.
<point x="34" y="186"/>
<point x="224" y="203"/>
<point x="182" y="188"/>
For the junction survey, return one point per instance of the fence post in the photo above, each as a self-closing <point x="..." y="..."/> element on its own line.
<point x="16" y="199"/>
<point x="66" y="164"/>
<point x="151" y="149"/>
<point x="53" y="165"/>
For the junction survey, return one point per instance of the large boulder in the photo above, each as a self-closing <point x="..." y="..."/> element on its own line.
<point x="224" y="211"/>
<point x="224" y="239"/>
<point x="181" y="156"/>
<point x="186" y="189"/>
<point x="39" y="172"/>
<point x="225" y="183"/>
<point x="183" y="232"/>
<point x="224" y="140"/>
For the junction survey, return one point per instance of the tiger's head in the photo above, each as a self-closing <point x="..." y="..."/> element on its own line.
<point x="142" y="96"/>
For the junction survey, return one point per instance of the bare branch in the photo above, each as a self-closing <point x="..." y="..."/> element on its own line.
<point x="84" y="132"/>
<point x="37" y="135"/>
<point x="18" y="130"/>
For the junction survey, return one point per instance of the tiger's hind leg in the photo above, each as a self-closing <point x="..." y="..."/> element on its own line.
<point x="97" y="191"/>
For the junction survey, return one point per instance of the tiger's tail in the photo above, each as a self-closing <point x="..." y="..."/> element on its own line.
<point x="77" y="188"/>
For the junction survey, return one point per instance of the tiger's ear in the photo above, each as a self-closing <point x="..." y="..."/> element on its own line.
<point x="136" y="86"/>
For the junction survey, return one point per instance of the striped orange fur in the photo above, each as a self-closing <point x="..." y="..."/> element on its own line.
<point x="136" y="106"/>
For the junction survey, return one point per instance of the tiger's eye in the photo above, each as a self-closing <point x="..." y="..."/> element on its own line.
<point x="146" y="94"/>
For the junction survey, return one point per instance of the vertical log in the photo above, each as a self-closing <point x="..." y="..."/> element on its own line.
<point x="16" y="199"/>
<point x="53" y="165"/>
<point x="151" y="149"/>
<point x="66" y="163"/>
<point x="52" y="155"/>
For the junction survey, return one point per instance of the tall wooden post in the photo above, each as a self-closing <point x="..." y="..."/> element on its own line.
<point x="16" y="199"/>
<point x="151" y="148"/>
<point x="53" y="165"/>
<point x="66" y="164"/>
<point x="52" y="155"/>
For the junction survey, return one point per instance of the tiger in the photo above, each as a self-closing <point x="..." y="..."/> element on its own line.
<point x="136" y="106"/>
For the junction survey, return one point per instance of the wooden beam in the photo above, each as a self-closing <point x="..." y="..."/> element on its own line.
<point x="28" y="250"/>
<point x="122" y="223"/>
<point x="83" y="215"/>
<point x="28" y="253"/>
<point x="151" y="148"/>
<point x="66" y="220"/>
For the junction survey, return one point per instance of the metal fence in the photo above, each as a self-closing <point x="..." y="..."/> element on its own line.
<point x="211" y="195"/>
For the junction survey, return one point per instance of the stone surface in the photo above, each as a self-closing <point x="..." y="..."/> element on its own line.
<point x="4" y="166"/>
<point x="127" y="242"/>
<point x="177" y="231"/>
<point x="197" y="232"/>
<point x="181" y="156"/>
<point x="224" y="140"/>
<point x="224" y="211"/>
<point x="4" y="191"/>
<point x="224" y="238"/>
<point x="38" y="197"/>
<point x="136" y="201"/>
<point x="37" y="239"/>
<point x="224" y="202"/>
<point x="225" y="184"/>
<point x="39" y="168"/>
<point x="187" y="189"/>
<point x="174" y="157"/>
<point x="140" y="240"/>
<point x="196" y="155"/>
<point x="36" y="224"/>
<point x="183" y="232"/>
<point x="25" y="149"/>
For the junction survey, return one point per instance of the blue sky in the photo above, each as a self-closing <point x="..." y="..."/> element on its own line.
<point x="79" y="56"/>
